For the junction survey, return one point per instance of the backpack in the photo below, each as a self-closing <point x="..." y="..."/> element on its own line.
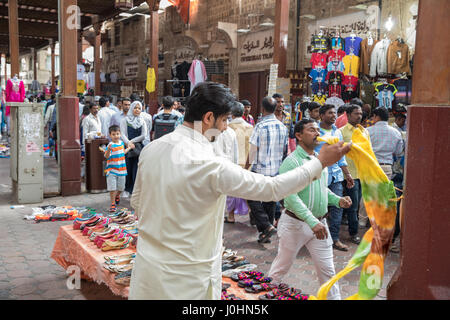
<point x="164" y="124"/>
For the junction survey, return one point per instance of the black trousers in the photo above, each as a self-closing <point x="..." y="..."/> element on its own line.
<point x="263" y="213"/>
<point x="132" y="166"/>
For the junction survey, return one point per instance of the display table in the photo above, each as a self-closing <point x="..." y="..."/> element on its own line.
<point x="72" y="248"/>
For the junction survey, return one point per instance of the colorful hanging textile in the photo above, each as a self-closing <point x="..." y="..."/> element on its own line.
<point x="381" y="205"/>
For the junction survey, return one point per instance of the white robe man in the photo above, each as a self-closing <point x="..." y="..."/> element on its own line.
<point x="179" y="197"/>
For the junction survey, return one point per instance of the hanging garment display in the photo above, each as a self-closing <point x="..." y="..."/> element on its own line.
<point x="379" y="198"/>
<point x="404" y="91"/>
<point x="181" y="73"/>
<point x="336" y="65"/>
<point x="197" y="73"/>
<point x="385" y="94"/>
<point x="398" y="58"/>
<point x="336" y="101"/>
<point x="378" y="59"/>
<point x="320" y="44"/>
<point x="319" y="98"/>
<point x="351" y="63"/>
<point x="14" y="92"/>
<point x="318" y="80"/>
<point x="335" y="55"/>
<point x="366" y="52"/>
<point x="334" y="80"/>
<point x="352" y="45"/>
<point x="337" y="43"/>
<point x="350" y="84"/>
<point x="319" y="61"/>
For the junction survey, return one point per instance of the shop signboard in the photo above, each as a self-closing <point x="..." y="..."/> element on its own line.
<point x="130" y="67"/>
<point x="273" y="75"/>
<point x="218" y="51"/>
<point x="256" y="48"/>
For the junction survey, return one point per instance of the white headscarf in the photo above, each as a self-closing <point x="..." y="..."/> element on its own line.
<point x="132" y="120"/>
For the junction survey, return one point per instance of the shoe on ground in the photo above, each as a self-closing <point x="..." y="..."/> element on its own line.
<point x="355" y="239"/>
<point x="340" y="246"/>
<point x="125" y="194"/>
<point x="266" y="234"/>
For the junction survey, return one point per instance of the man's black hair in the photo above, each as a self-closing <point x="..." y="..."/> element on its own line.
<point x="323" y="109"/>
<point x="299" y="126"/>
<point x="382" y="112"/>
<point x="277" y="95"/>
<point x="134" y="97"/>
<point x="400" y="115"/>
<point x="208" y="97"/>
<point x="114" y="128"/>
<point x="342" y="108"/>
<point x="168" y="102"/>
<point x="126" y="99"/>
<point x="269" y="104"/>
<point x="86" y="109"/>
<point x="352" y="108"/>
<point x="237" y="110"/>
<point x="313" y="105"/>
<point x="246" y="102"/>
<point x="111" y="99"/>
<point x="93" y="104"/>
<point x="357" y="101"/>
<point x="102" y="102"/>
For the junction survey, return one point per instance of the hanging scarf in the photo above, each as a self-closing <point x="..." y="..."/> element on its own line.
<point x="132" y="120"/>
<point x="381" y="204"/>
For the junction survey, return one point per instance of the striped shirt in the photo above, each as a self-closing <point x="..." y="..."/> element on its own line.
<point x="386" y="142"/>
<point x="271" y="137"/>
<point x="115" y="164"/>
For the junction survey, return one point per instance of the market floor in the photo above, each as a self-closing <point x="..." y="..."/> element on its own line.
<point x="28" y="272"/>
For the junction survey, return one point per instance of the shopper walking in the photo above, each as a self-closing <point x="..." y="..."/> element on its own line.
<point x="119" y="116"/>
<point x="179" y="199"/>
<point x="304" y="221"/>
<point x="133" y="129"/>
<point x="268" y="148"/>
<point x="336" y="172"/>
<point x="247" y="116"/>
<point x="354" y="116"/>
<point x="386" y="141"/>
<point x="105" y="114"/>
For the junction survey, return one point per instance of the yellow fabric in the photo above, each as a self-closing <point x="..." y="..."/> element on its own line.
<point x="151" y="80"/>
<point x="351" y="63"/>
<point x="347" y="132"/>
<point x="81" y="86"/>
<point x="320" y="99"/>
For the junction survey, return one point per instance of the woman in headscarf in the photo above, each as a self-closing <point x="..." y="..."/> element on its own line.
<point x="133" y="129"/>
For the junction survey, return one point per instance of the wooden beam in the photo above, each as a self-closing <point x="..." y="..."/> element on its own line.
<point x="281" y="36"/>
<point x="152" y="98"/>
<point x="97" y="61"/>
<point x="13" y="37"/>
<point x="52" y="50"/>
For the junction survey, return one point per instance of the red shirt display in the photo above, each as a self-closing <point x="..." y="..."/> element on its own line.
<point x="335" y="55"/>
<point x="350" y="83"/>
<point x="319" y="60"/>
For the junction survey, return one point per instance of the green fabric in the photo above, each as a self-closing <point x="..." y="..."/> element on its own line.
<point x="312" y="202"/>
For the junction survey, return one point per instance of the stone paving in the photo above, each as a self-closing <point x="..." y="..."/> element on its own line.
<point x="28" y="272"/>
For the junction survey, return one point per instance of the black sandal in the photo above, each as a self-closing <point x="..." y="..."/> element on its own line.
<point x="226" y="220"/>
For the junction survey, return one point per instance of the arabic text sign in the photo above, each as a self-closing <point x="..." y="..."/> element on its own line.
<point x="130" y="67"/>
<point x="256" y="48"/>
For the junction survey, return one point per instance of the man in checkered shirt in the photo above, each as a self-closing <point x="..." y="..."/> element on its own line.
<point x="386" y="141"/>
<point x="268" y="148"/>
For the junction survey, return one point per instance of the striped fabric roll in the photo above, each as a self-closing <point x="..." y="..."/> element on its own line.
<point x="115" y="164"/>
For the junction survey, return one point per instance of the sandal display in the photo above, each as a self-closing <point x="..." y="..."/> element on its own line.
<point x="123" y="278"/>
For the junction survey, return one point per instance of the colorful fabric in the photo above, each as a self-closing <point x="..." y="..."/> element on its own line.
<point x="352" y="45"/>
<point x="335" y="55"/>
<point x="320" y="99"/>
<point x="336" y="66"/>
<point x="14" y="92"/>
<point x="237" y="206"/>
<point x="379" y="199"/>
<point x="320" y="44"/>
<point x="337" y="43"/>
<point x="249" y="119"/>
<point x="351" y="64"/>
<point x="151" y="80"/>
<point x="271" y="137"/>
<point x="115" y="164"/>
<point x="318" y="75"/>
<point x="347" y="133"/>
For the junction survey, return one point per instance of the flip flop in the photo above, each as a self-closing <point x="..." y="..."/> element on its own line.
<point x="339" y="248"/>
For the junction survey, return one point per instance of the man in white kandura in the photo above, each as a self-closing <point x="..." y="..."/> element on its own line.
<point x="180" y="195"/>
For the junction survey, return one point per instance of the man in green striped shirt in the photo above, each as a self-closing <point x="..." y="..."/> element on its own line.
<point x="304" y="221"/>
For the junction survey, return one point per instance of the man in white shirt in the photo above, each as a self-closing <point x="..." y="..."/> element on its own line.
<point x="92" y="125"/>
<point x="179" y="197"/>
<point x="105" y="114"/>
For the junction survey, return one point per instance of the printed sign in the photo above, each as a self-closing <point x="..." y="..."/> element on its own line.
<point x="32" y="147"/>
<point x="256" y="48"/>
<point x="130" y="67"/>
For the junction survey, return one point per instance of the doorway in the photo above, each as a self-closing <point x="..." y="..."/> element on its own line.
<point x="253" y="87"/>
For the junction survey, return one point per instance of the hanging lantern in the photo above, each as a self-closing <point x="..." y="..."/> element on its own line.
<point x="123" y="4"/>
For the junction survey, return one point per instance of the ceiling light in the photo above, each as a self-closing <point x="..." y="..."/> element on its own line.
<point x="389" y="24"/>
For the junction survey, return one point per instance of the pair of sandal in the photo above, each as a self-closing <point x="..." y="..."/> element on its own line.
<point x="234" y="265"/>
<point x="80" y="223"/>
<point x="119" y="268"/>
<point x="121" y="243"/>
<point x="114" y="205"/>
<point x="226" y="296"/>
<point x="119" y="258"/>
<point x="231" y="272"/>
<point x="283" y="292"/>
<point x="246" y="275"/>
<point x="123" y="278"/>
<point x="255" y="281"/>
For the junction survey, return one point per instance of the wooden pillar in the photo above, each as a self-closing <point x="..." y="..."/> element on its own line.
<point x="52" y="50"/>
<point x="5" y="69"/>
<point x="424" y="256"/>
<point x="281" y="36"/>
<point x="34" y="64"/>
<point x="13" y="36"/>
<point x="97" y="61"/>
<point x="152" y="98"/>
<point x="68" y="119"/>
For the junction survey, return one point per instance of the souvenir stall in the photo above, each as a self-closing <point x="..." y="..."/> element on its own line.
<point x="343" y="68"/>
<point x="103" y="247"/>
